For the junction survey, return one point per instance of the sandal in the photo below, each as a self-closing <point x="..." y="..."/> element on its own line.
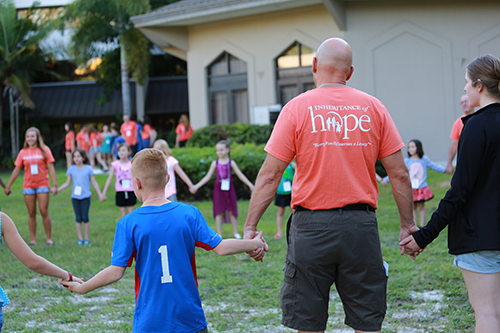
<point x="50" y="243"/>
<point x="32" y="244"/>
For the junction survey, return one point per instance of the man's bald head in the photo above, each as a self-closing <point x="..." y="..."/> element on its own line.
<point x="333" y="61"/>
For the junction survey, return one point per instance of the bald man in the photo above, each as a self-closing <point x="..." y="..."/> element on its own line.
<point x="456" y="130"/>
<point x="335" y="133"/>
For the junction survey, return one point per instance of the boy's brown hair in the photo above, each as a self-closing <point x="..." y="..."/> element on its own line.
<point x="150" y="166"/>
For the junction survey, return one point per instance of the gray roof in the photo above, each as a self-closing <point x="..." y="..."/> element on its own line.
<point x="69" y="100"/>
<point x="187" y="12"/>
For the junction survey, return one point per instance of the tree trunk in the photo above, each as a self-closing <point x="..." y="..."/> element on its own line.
<point x="12" y="125"/>
<point x="125" y="82"/>
<point x="2" y="87"/>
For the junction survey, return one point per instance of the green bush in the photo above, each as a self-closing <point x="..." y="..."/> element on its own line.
<point x="234" y="133"/>
<point x="196" y="162"/>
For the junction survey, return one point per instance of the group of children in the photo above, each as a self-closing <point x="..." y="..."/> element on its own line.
<point x="162" y="234"/>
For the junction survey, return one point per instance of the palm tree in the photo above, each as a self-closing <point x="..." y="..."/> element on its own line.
<point x="106" y="22"/>
<point x="20" y="56"/>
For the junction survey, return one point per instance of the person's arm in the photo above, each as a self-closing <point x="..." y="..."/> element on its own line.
<point x="103" y="278"/>
<point x="433" y="166"/>
<point x="451" y="155"/>
<point x="13" y="176"/>
<point x="402" y="192"/>
<point x="27" y="257"/>
<point x="2" y="183"/>
<point x="65" y="185"/>
<point x="267" y="182"/>
<point x="108" y="182"/>
<point x="96" y="187"/>
<point x="207" y="177"/>
<point x="183" y="175"/>
<point x="52" y="173"/>
<point x="241" y="176"/>
<point x="177" y="140"/>
<point x="234" y="246"/>
<point x="73" y="144"/>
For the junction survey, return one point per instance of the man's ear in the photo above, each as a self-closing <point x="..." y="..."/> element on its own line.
<point x="350" y="73"/>
<point x="315" y="65"/>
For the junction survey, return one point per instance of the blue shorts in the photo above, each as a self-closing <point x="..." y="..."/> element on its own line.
<point x="93" y="151"/>
<point x="81" y="208"/>
<point x="33" y="191"/>
<point x="486" y="262"/>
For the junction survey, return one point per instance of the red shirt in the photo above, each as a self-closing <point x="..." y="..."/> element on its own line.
<point x="336" y="136"/>
<point x="130" y="131"/>
<point x="82" y="138"/>
<point x="68" y="139"/>
<point x="183" y="134"/>
<point x="35" y="166"/>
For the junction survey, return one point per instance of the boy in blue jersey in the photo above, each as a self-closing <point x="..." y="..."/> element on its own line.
<point x="162" y="236"/>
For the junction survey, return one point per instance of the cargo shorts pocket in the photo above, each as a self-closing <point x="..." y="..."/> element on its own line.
<point x="288" y="289"/>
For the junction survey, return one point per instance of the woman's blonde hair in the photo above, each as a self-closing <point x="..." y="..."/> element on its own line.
<point x="184" y="120"/>
<point x="39" y="140"/>
<point x="164" y="147"/>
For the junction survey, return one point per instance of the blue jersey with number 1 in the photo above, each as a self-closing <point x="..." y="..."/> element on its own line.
<point x="163" y="240"/>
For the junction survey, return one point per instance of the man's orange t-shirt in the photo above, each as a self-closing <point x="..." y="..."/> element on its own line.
<point x="68" y="139"/>
<point x="82" y="138"/>
<point x="35" y="166"/>
<point x="130" y="131"/>
<point x="336" y="136"/>
<point x="456" y="130"/>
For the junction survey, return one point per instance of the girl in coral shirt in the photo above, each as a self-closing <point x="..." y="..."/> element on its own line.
<point x="38" y="162"/>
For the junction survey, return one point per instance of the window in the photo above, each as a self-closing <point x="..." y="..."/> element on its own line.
<point x="294" y="72"/>
<point x="227" y="87"/>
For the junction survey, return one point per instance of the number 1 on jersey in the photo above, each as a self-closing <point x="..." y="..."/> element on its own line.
<point x="166" y="277"/>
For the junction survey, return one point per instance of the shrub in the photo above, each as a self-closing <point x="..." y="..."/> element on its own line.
<point x="196" y="163"/>
<point x="234" y="133"/>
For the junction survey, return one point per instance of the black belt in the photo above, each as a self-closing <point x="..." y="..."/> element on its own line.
<point x="357" y="206"/>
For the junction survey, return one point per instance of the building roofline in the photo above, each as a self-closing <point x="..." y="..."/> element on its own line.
<point x="189" y="12"/>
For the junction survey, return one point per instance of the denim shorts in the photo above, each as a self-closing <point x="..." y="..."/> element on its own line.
<point x="486" y="262"/>
<point x="33" y="191"/>
<point x="81" y="208"/>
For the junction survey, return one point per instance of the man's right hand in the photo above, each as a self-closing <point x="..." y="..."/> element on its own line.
<point x="257" y="255"/>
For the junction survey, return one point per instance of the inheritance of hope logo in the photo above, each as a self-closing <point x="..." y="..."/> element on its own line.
<point x="338" y="123"/>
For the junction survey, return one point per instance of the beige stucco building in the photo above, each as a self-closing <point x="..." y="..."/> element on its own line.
<point x="244" y="55"/>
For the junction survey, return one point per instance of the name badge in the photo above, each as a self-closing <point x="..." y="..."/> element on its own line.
<point x="415" y="183"/>
<point x="287" y="186"/>
<point x="34" y="169"/>
<point x="126" y="184"/>
<point x="224" y="185"/>
<point x="78" y="190"/>
<point x="128" y="133"/>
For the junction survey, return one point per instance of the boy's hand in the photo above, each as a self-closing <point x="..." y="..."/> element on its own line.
<point x="7" y="191"/>
<point x="257" y="255"/>
<point x="193" y="189"/>
<point x="72" y="286"/>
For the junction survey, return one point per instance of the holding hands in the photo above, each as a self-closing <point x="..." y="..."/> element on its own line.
<point x="407" y="243"/>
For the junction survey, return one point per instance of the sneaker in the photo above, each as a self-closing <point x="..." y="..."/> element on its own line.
<point x="86" y="242"/>
<point x="237" y="236"/>
<point x="80" y="242"/>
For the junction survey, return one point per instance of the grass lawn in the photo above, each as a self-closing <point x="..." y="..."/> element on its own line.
<point x="239" y="295"/>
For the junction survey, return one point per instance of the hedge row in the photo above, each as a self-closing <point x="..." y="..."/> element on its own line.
<point x="196" y="163"/>
<point x="234" y="133"/>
